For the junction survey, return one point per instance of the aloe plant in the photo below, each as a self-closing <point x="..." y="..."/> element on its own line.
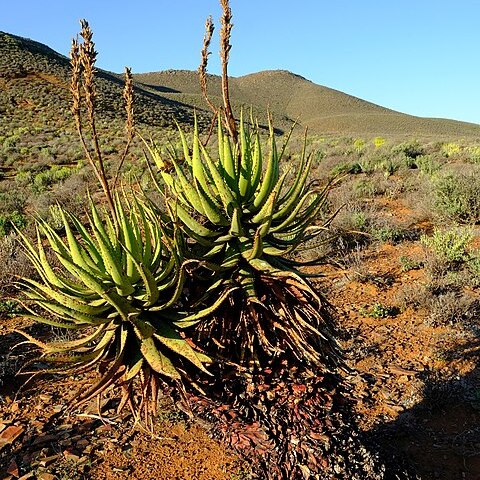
<point x="119" y="289"/>
<point x="243" y="218"/>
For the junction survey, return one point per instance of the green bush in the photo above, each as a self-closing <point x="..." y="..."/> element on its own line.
<point x="474" y="153"/>
<point x="450" y="245"/>
<point x="474" y="269"/>
<point x="365" y="188"/>
<point x="389" y="165"/>
<point x="24" y="177"/>
<point x="408" y="263"/>
<point x="457" y="197"/>
<point x="47" y="178"/>
<point x="450" y="149"/>
<point x="409" y="149"/>
<point x="347" y="167"/>
<point x="427" y="165"/>
<point x="359" y="145"/>
<point x="9" y="220"/>
<point x="379" y="310"/>
<point x="388" y="233"/>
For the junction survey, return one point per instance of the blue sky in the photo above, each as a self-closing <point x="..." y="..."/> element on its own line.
<point x="416" y="56"/>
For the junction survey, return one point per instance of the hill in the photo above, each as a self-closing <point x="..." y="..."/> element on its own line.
<point x="34" y="82"/>
<point x="323" y="109"/>
<point x="34" y="90"/>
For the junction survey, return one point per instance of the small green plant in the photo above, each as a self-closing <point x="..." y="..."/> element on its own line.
<point x="408" y="263"/>
<point x="8" y="221"/>
<point x="9" y="308"/>
<point x="449" y="245"/>
<point x="378" y="310"/>
<point x="55" y="217"/>
<point x="473" y="266"/>
<point x="389" y="166"/>
<point x="365" y="188"/>
<point x="54" y="174"/>
<point x="387" y="233"/>
<point x="359" y="145"/>
<point x="24" y="177"/>
<point x="344" y="168"/>
<point x="368" y="164"/>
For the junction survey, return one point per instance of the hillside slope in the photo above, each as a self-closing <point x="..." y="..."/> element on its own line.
<point x="34" y="85"/>
<point x="323" y="109"/>
<point x="34" y="89"/>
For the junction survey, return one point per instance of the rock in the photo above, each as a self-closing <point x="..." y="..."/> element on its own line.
<point x="43" y="439"/>
<point x="13" y="469"/>
<point x="44" y="462"/>
<point x="71" y="456"/>
<point x="47" y="476"/>
<point x="27" y="476"/>
<point x="9" y="435"/>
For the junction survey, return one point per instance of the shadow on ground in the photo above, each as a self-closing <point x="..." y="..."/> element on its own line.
<point x="440" y="436"/>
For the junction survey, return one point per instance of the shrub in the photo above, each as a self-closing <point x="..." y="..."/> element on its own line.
<point x="473" y="266"/>
<point x="408" y="263"/>
<point x="457" y="197"/>
<point x="359" y="145"/>
<point x="366" y="188"/>
<point x="10" y="220"/>
<point x="450" y="149"/>
<point x="369" y="162"/>
<point x="474" y="153"/>
<point x="411" y="150"/>
<point x="428" y="165"/>
<point x="450" y="246"/>
<point x="379" y="310"/>
<point x="48" y="177"/>
<point x="344" y="168"/>
<point x="389" y="165"/>
<point x="387" y="233"/>
<point x="24" y="177"/>
<point x="13" y="261"/>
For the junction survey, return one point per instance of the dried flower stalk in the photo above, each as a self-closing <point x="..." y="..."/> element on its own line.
<point x="75" y="90"/>
<point x="82" y="60"/>
<point x="225" y="46"/>
<point x="202" y="72"/>
<point x="128" y="98"/>
<point x="75" y="82"/>
<point x="202" y="69"/>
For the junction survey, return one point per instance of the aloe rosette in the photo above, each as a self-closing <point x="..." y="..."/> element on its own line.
<point x="243" y="218"/>
<point x="117" y="282"/>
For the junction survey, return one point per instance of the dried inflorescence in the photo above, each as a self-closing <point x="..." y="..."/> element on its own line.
<point x="202" y="69"/>
<point x="82" y="59"/>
